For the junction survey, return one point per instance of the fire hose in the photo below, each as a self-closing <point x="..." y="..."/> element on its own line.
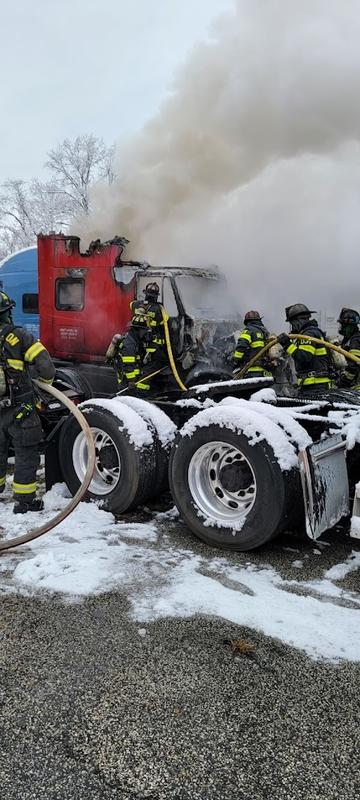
<point x="170" y="352"/>
<point x="48" y="526"/>
<point x="240" y="373"/>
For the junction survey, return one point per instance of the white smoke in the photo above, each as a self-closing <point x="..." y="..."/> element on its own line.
<point x="253" y="162"/>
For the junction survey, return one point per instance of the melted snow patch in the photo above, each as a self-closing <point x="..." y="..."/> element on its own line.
<point x="339" y="571"/>
<point x="90" y="553"/>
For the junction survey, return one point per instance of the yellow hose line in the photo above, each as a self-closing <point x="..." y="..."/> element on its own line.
<point x="239" y="373"/>
<point x="327" y="344"/>
<point x="170" y="352"/>
<point x="48" y="526"/>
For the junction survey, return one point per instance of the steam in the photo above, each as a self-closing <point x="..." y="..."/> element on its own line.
<point x="253" y="161"/>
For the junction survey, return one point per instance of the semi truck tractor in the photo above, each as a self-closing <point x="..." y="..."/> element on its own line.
<point x="242" y="461"/>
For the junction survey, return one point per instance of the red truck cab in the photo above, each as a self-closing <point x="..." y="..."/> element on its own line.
<point x="84" y="298"/>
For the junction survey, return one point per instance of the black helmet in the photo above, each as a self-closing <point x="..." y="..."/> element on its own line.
<point x="152" y="291"/>
<point x="297" y="310"/>
<point x="348" y="316"/>
<point x="6" y="304"/>
<point x="252" y="316"/>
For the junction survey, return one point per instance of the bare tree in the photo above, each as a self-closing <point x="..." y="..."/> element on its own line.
<point x="16" y="223"/>
<point x="76" y="164"/>
<point x="26" y="209"/>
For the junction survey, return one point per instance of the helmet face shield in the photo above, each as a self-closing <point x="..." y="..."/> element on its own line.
<point x="348" y="316"/>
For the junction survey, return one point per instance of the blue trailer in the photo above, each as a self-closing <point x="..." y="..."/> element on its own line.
<point x="19" y="279"/>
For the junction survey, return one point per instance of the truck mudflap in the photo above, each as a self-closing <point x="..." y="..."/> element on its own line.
<point x="355" y="519"/>
<point x="325" y="484"/>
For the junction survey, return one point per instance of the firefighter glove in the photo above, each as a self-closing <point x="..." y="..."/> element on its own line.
<point x="24" y="411"/>
<point x="284" y="340"/>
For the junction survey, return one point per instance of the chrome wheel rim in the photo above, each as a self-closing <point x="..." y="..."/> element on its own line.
<point x="107" y="464"/>
<point x="222" y="484"/>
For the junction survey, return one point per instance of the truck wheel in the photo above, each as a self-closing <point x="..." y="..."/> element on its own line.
<point x="231" y="494"/>
<point x="123" y="474"/>
<point x="164" y="434"/>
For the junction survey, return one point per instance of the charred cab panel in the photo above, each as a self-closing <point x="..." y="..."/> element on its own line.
<point x="83" y="300"/>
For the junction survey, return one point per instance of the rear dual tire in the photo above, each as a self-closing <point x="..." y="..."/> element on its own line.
<point x="124" y="474"/>
<point x="231" y="494"/>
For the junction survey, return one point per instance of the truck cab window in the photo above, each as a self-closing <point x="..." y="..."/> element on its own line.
<point x="30" y="303"/>
<point x="69" y="294"/>
<point x="169" y="299"/>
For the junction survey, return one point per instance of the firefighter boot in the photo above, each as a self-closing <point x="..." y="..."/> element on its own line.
<point x="31" y="505"/>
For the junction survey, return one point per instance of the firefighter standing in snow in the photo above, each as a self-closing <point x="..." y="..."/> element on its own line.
<point x="19" y="421"/>
<point x="252" y="339"/>
<point x="311" y="360"/>
<point x="349" y="328"/>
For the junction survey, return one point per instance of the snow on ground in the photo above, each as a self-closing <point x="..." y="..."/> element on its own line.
<point x="90" y="553"/>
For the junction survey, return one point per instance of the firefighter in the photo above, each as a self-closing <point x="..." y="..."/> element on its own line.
<point x="311" y="360"/>
<point x="252" y="338"/>
<point x="156" y="354"/>
<point x="19" y="421"/>
<point x="349" y="328"/>
<point x="132" y="350"/>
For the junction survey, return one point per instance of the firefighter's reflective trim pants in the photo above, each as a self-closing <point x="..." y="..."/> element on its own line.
<point x="25" y="437"/>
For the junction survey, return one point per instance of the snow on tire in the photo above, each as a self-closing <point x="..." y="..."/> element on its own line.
<point x="232" y="472"/>
<point x="165" y="430"/>
<point x="125" y="455"/>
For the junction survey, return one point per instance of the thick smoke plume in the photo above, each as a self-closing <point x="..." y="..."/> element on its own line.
<point x="253" y="161"/>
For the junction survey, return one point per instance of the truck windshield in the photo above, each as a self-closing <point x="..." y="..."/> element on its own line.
<point x="206" y="298"/>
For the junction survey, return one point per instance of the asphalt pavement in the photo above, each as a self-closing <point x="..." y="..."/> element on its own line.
<point x="95" y="706"/>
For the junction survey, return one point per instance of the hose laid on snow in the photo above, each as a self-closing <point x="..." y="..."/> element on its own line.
<point x="302" y="336"/>
<point x="48" y="526"/>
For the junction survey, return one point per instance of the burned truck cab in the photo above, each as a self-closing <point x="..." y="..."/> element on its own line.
<point x="84" y="298"/>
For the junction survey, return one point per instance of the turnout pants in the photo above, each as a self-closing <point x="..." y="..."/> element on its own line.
<point x="24" y="436"/>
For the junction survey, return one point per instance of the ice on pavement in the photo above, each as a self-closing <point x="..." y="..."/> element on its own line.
<point x="90" y="553"/>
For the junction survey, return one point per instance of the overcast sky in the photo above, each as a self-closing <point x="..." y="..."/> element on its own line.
<point x="87" y="66"/>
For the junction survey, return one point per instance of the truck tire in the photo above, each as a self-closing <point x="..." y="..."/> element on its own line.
<point x="71" y="376"/>
<point x="164" y="432"/>
<point x="231" y="494"/>
<point x="124" y="474"/>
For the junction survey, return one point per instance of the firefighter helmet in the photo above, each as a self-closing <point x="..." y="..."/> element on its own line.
<point x="6" y="304"/>
<point x="297" y="310"/>
<point x="152" y="291"/>
<point x="252" y="316"/>
<point x="348" y="316"/>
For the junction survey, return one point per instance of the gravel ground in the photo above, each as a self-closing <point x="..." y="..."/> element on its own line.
<point x="93" y="707"/>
